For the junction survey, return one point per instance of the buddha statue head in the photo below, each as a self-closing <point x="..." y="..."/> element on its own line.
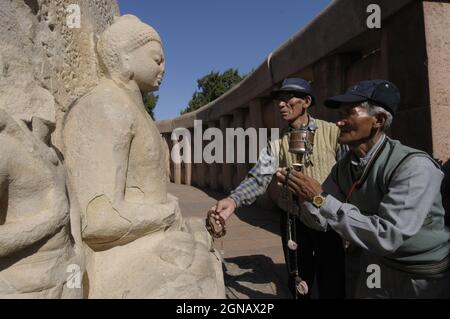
<point x="130" y="50"/>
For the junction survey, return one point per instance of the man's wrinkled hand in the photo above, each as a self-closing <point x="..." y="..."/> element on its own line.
<point x="303" y="186"/>
<point x="223" y="208"/>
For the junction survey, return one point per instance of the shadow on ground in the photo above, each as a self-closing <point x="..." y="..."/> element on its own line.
<point x="251" y="251"/>
<point x="253" y="277"/>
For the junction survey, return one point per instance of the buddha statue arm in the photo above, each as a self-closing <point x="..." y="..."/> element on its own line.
<point x="142" y="218"/>
<point x="108" y="217"/>
<point x="20" y="234"/>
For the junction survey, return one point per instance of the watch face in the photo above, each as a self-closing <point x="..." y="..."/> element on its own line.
<point x="318" y="200"/>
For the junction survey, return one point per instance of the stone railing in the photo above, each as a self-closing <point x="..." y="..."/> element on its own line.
<point x="337" y="49"/>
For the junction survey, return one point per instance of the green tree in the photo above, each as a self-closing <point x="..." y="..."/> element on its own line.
<point x="150" y="101"/>
<point x="211" y="86"/>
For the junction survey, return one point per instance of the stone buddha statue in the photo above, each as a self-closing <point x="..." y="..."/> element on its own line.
<point x="137" y="243"/>
<point x="37" y="249"/>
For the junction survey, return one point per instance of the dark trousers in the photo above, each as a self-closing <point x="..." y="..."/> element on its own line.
<point x="320" y="256"/>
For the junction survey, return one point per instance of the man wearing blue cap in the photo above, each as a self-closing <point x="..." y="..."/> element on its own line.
<point x="383" y="198"/>
<point x="309" y="253"/>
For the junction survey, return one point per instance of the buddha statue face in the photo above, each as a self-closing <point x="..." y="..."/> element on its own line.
<point x="130" y="50"/>
<point x="147" y="66"/>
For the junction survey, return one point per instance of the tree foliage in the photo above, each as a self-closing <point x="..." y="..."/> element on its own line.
<point x="211" y="86"/>
<point x="150" y="101"/>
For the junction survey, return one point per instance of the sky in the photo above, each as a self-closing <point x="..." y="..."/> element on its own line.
<point x="200" y="36"/>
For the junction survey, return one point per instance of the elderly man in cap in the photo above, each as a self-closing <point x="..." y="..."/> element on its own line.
<point x="309" y="253"/>
<point x="383" y="198"/>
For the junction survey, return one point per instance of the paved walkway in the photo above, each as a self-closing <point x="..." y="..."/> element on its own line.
<point x="253" y="257"/>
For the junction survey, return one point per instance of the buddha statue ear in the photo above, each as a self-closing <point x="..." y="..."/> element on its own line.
<point x="125" y="72"/>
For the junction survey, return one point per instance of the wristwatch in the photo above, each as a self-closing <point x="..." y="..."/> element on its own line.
<point x="319" y="200"/>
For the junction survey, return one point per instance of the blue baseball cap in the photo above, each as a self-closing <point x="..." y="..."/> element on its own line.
<point x="296" y="86"/>
<point x="380" y="92"/>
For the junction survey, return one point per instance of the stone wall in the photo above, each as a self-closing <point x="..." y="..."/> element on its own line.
<point x="412" y="49"/>
<point x="44" y="64"/>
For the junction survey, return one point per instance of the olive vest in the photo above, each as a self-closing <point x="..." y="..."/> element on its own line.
<point x="323" y="157"/>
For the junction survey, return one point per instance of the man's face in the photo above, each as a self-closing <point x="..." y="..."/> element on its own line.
<point x="291" y="107"/>
<point x="356" y="125"/>
<point x="147" y="64"/>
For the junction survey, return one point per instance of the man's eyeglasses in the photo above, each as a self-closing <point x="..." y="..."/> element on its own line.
<point x="285" y="97"/>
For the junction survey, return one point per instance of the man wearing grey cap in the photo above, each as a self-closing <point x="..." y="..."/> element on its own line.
<point x="383" y="198"/>
<point x="310" y="254"/>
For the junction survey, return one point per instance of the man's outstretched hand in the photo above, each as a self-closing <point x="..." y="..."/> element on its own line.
<point x="223" y="208"/>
